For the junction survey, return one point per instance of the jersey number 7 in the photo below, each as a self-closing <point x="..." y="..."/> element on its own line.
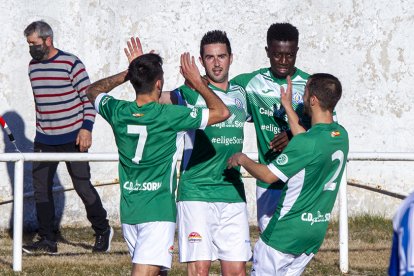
<point x="142" y="131"/>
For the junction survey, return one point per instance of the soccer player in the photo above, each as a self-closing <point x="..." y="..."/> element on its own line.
<point x="147" y="135"/>
<point x="311" y="166"/>
<point x="402" y="252"/>
<point x="262" y="89"/>
<point x="212" y="211"/>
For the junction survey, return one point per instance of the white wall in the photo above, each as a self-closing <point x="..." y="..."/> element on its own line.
<point x="365" y="43"/>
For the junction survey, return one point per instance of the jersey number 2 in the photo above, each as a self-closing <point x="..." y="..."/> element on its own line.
<point x="142" y="131"/>
<point x="331" y="185"/>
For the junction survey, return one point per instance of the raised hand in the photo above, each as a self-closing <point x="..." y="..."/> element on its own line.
<point x="190" y="71"/>
<point x="286" y="96"/>
<point x="134" y="49"/>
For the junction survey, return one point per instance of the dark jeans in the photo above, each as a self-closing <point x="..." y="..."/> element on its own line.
<point x="43" y="173"/>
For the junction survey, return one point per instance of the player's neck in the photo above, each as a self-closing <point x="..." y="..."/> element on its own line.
<point x="322" y="117"/>
<point x="221" y="85"/>
<point x="143" y="99"/>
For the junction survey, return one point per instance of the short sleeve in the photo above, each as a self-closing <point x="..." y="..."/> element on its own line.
<point x="183" y="118"/>
<point x="105" y="106"/>
<point x="296" y="156"/>
<point x="242" y="81"/>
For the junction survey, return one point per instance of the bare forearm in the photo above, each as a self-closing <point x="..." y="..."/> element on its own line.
<point x="258" y="171"/>
<point x="105" y="85"/>
<point x="294" y="122"/>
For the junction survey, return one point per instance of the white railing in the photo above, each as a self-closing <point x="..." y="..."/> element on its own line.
<point x="20" y="158"/>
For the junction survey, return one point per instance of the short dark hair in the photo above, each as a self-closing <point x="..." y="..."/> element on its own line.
<point x="144" y="71"/>
<point x="282" y="32"/>
<point x="213" y="37"/>
<point x="327" y="88"/>
<point x="42" y="29"/>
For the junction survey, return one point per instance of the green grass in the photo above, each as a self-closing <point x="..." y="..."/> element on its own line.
<point x="369" y="248"/>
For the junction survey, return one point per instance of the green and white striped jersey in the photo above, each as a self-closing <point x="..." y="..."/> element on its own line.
<point x="204" y="173"/>
<point x="262" y="90"/>
<point x="312" y="166"/>
<point x="147" y="138"/>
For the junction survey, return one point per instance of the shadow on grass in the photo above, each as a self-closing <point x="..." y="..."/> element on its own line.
<point x="83" y="245"/>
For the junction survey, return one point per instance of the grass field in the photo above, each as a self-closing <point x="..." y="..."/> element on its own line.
<point x="369" y="249"/>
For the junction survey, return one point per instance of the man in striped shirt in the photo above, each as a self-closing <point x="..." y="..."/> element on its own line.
<point x="64" y="121"/>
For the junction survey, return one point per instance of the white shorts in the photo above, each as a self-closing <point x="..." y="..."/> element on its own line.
<point x="213" y="230"/>
<point x="267" y="200"/>
<point x="269" y="261"/>
<point x="150" y="243"/>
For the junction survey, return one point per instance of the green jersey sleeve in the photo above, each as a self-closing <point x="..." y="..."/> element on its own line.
<point x="242" y="81"/>
<point x="298" y="153"/>
<point x="105" y="105"/>
<point x="181" y="118"/>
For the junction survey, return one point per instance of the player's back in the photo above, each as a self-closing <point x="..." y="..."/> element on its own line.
<point x="313" y="162"/>
<point x="147" y="138"/>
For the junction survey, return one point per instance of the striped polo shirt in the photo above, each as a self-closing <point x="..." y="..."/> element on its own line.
<point x="62" y="107"/>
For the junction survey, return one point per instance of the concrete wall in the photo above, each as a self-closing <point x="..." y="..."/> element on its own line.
<point x="365" y="43"/>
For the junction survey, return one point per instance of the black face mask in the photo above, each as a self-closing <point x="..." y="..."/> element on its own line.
<point x="38" y="52"/>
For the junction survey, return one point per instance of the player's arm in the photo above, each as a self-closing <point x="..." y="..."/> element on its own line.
<point x="258" y="171"/>
<point x="168" y="97"/>
<point x="105" y="85"/>
<point x="218" y="111"/>
<point x="293" y="118"/>
<point x="133" y="50"/>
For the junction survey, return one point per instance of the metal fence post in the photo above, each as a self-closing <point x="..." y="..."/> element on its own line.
<point x="18" y="215"/>
<point x="343" y="224"/>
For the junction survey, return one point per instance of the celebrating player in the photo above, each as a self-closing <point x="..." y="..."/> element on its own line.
<point x="212" y="211"/>
<point x="147" y="134"/>
<point x="262" y="89"/>
<point x="311" y="166"/>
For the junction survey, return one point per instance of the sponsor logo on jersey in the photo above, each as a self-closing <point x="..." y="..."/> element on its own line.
<point x="282" y="159"/>
<point x="171" y="249"/>
<point x="297" y="98"/>
<point x="266" y="112"/>
<point x="146" y="186"/>
<point x="238" y="103"/>
<point x="232" y="123"/>
<point x="194" y="112"/>
<point x="273" y="128"/>
<point x="315" y="218"/>
<point x="227" y="140"/>
<point x="137" y="115"/>
<point x="335" y="133"/>
<point x="194" y="237"/>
